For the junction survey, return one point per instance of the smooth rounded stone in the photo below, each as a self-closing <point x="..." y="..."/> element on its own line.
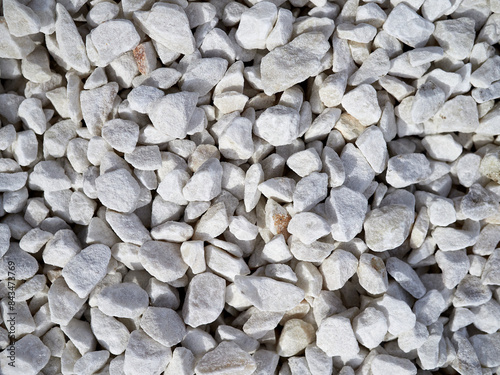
<point x="31" y="356"/>
<point x="487" y="348"/>
<point x="308" y="227"/>
<point x="125" y="300"/>
<point x="145" y="355"/>
<point x="278" y="125"/>
<point x="479" y="203"/>
<point x="339" y="267"/>
<point x="293" y="63"/>
<point x="295" y="337"/>
<point x="388" y="364"/>
<point x="172" y="231"/>
<point x="109" y="332"/>
<point x="405" y="276"/>
<point x="255" y="25"/>
<point x="405" y="170"/>
<point x="205" y="298"/>
<point x="346" y="210"/>
<point x="164" y="325"/>
<point x="12" y="181"/>
<point x="399" y="316"/>
<point x="113" y="38"/>
<point x="454" y="266"/>
<point x="335" y="337"/>
<point x="162" y="260"/>
<point x="367" y="114"/>
<point x="119" y="180"/>
<point x="269" y="295"/>
<point x="370" y="327"/>
<point x="387" y="227"/>
<point x="372" y="274"/>
<point x="205" y="184"/>
<point x="87" y="268"/>
<point x="471" y="292"/>
<point x="226" y="358"/>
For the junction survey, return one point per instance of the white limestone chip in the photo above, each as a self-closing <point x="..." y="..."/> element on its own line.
<point x="145" y="355"/>
<point x="399" y="316"/>
<point x="308" y="227"/>
<point x="269" y="295"/>
<point x="305" y="162"/>
<point x="125" y="300"/>
<point x="205" y="184"/>
<point x="406" y="25"/>
<point x="405" y="276"/>
<point x="387" y="227"/>
<point x="228" y="358"/>
<point x="205" y="298"/>
<point x="164" y="325"/>
<point x="180" y="107"/>
<point x="384" y="364"/>
<point x="49" y="176"/>
<point x="255" y="25"/>
<point x="279" y="189"/>
<point x="427" y="101"/>
<point x="335" y="336"/>
<point x="202" y="75"/>
<point x="96" y="106"/>
<point x="338" y="268"/>
<point x="31" y="113"/>
<point x="479" y="203"/>
<point x="168" y="25"/>
<point x="367" y="114"/>
<point x="311" y="190"/>
<point x="162" y="260"/>
<point x="370" y="327"/>
<point x="109" y="332"/>
<point x="372" y="145"/>
<point x="276" y="250"/>
<point x="347" y="208"/>
<point x="456" y="36"/>
<point x="84" y="271"/>
<point x="236" y="142"/>
<point x="278" y="125"/>
<point x="182" y="362"/>
<point x="119" y="180"/>
<point x="242" y="228"/>
<point x="31" y="356"/>
<point x="69" y="40"/>
<point x="407" y="169"/>
<point x="294" y="62"/>
<point x="295" y="337"/>
<point x="428" y="308"/>
<point x="63" y="302"/>
<point x="360" y="33"/>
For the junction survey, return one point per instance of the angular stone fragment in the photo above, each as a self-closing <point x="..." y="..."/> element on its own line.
<point x="63" y="302"/>
<point x="372" y="274"/>
<point x="226" y="358"/>
<point x="70" y="42"/>
<point x="113" y="38"/>
<point x="370" y="327"/>
<point x="180" y="107"/>
<point x="278" y="125"/>
<point x="456" y="37"/>
<point x="255" y="25"/>
<point x="125" y="300"/>
<point x="145" y="355"/>
<point x="205" y="184"/>
<point x="294" y="62"/>
<point x="168" y="25"/>
<point x="406" y="25"/>
<point x="335" y="337"/>
<point x="385" y="364"/>
<point x="31" y="356"/>
<point x="205" y="298"/>
<point x="119" y="180"/>
<point x="162" y="260"/>
<point x="399" y="316"/>
<point x="97" y="105"/>
<point x="338" y="268"/>
<point x="269" y="295"/>
<point x="407" y="169"/>
<point x="387" y="227"/>
<point x="109" y="332"/>
<point x="367" y="114"/>
<point x="13" y="47"/>
<point x="122" y="135"/>
<point x="308" y="227"/>
<point x="86" y="269"/>
<point x="164" y="325"/>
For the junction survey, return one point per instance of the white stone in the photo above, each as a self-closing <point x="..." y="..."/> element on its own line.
<point x="335" y="337"/>
<point x="428" y="308"/>
<point x="236" y="142"/>
<point x="180" y="107"/>
<point x="442" y="147"/>
<point x="384" y="364"/>
<point x="113" y="38"/>
<point x="63" y="302"/>
<point x="399" y="316"/>
<point x="227" y="357"/>
<point x="119" y="180"/>
<point x="278" y="125"/>
<point x="407" y="169"/>
<point x="295" y="337"/>
<point x="370" y="327"/>
<point x="305" y="162"/>
<point x="162" y="260"/>
<point x="372" y="145"/>
<point x="269" y="295"/>
<point x="282" y="30"/>
<point x="205" y="184"/>
<point x="125" y="300"/>
<point x="387" y="227"/>
<point x="406" y="25"/>
<point x="338" y="268"/>
<point x="308" y="227"/>
<point x="145" y="355"/>
<point x="164" y="325"/>
<point x="360" y="33"/>
<point x="48" y="176"/>
<point x="27" y="348"/>
<point x="456" y="37"/>
<point x="294" y="62"/>
<point x="367" y="114"/>
<point x="405" y="276"/>
<point x="109" y="332"/>
<point x="204" y="300"/>
<point x="255" y="25"/>
<point x="128" y="227"/>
